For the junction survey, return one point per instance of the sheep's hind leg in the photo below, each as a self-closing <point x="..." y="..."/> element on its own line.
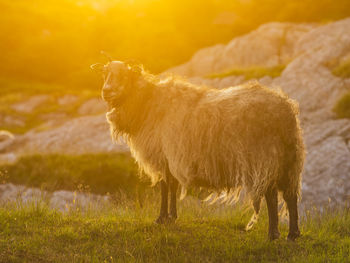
<point x="163" y="215"/>
<point x="254" y="218"/>
<point x="272" y="207"/>
<point x="292" y="205"/>
<point x="173" y="189"/>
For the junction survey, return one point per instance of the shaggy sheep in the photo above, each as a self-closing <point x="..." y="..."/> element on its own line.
<point x="246" y="137"/>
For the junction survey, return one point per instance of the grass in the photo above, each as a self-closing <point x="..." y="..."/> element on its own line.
<point x="342" y="69"/>
<point x="36" y="233"/>
<point x="342" y="106"/>
<point x="252" y="72"/>
<point x="101" y="173"/>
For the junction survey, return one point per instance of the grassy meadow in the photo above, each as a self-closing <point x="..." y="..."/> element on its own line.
<point x="36" y="233"/>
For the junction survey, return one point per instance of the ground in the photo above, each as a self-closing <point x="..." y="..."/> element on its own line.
<point x="127" y="233"/>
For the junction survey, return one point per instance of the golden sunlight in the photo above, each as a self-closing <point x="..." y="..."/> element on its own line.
<point x="174" y="130"/>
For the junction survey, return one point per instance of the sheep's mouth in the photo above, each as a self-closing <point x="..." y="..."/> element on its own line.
<point x="114" y="101"/>
<point x="109" y="101"/>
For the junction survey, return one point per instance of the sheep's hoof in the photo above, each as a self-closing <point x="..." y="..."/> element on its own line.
<point x="293" y="236"/>
<point x="274" y="235"/>
<point x="161" y="220"/>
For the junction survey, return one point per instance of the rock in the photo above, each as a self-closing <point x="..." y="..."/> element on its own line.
<point x="6" y="139"/>
<point x="52" y="120"/>
<point x="13" y="121"/>
<point x="307" y="79"/>
<point x="326" y="173"/>
<point x="10" y="192"/>
<point x="62" y="200"/>
<point x="8" y="158"/>
<point x="206" y="58"/>
<point x="67" y="100"/>
<point x="89" y="134"/>
<point x="5" y="135"/>
<point x="315" y="133"/>
<point x="92" y="106"/>
<point x="68" y="200"/>
<point x="267" y="80"/>
<point x="231" y="81"/>
<point x="31" y="104"/>
<point x="270" y="45"/>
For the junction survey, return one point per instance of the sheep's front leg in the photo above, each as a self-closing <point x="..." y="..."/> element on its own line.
<point x="163" y="215"/>
<point x="173" y="189"/>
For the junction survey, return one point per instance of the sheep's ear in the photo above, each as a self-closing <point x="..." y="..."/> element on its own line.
<point x="98" y="67"/>
<point x="106" y="55"/>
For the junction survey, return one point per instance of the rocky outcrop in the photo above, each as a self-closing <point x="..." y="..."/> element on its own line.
<point x="92" y="106"/>
<point x="62" y="200"/>
<point x="6" y="139"/>
<point x="271" y="44"/>
<point x="77" y="136"/>
<point x="31" y="104"/>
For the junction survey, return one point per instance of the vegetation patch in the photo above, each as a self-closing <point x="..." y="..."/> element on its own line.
<point x="100" y="173"/>
<point x="251" y="72"/>
<point x="342" y="107"/>
<point x="342" y="69"/>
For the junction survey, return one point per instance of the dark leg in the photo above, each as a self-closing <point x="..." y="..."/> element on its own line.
<point x="272" y="207"/>
<point x="173" y="189"/>
<point x="292" y="205"/>
<point x="163" y="216"/>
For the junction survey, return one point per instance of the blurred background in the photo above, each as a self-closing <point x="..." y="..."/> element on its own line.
<point x="54" y="42"/>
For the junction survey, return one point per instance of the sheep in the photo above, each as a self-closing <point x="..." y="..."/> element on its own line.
<point x="243" y="137"/>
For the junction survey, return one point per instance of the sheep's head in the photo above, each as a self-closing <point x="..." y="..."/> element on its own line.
<point x="119" y="78"/>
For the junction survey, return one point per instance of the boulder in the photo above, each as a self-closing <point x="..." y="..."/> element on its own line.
<point x="81" y="135"/>
<point x="92" y="106"/>
<point x="62" y="200"/>
<point x="270" y="45"/>
<point x="67" y="100"/>
<point x="31" y="104"/>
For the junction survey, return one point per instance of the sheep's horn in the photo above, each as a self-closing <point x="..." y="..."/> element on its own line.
<point x="97" y="67"/>
<point x="108" y="56"/>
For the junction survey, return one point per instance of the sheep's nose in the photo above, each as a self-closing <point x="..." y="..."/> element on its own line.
<point x="107" y="87"/>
